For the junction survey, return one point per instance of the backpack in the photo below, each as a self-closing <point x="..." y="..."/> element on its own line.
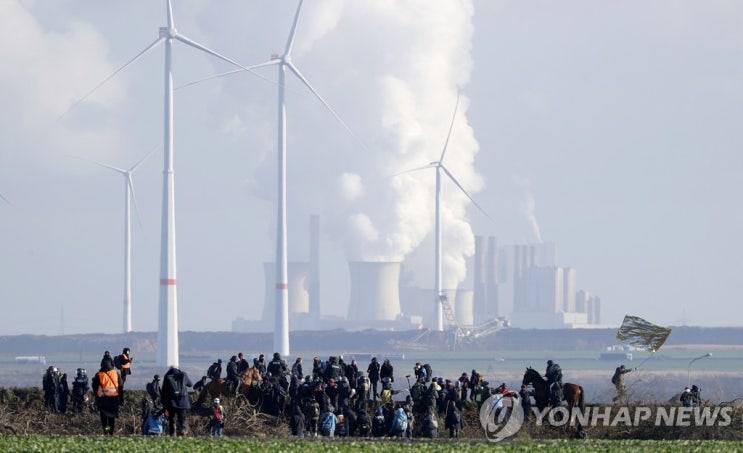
<point x="218" y="416"/>
<point x="363" y="383"/>
<point x="615" y="378"/>
<point x="153" y="426"/>
<point x="401" y="420"/>
<point x="327" y="421"/>
<point x="176" y="385"/>
<point x="428" y="372"/>
<point x="117" y="362"/>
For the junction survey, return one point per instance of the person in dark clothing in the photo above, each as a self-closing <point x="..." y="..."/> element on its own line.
<point x="363" y="423"/>
<point x="108" y="389"/>
<point x="387" y="371"/>
<point x="332" y="391"/>
<point x="123" y="363"/>
<point x="453" y="419"/>
<point x="297" y="369"/>
<point x="50" y="383"/>
<point x="317" y="368"/>
<point x="618" y="380"/>
<point x="175" y="399"/>
<point x="464" y="382"/>
<point x="63" y="393"/>
<point x="526" y="394"/>
<point x="333" y="369"/>
<point x="352" y="373"/>
<point x="242" y="363"/>
<point x="696" y="395"/>
<point x="260" y="363"/>
<point x="277" y="366"/>
<point x="233" y="377"/>
<point x="553" y="373"/>
<point x="107" y="358"/>
<point x="351" y="419"/>
<point x="154" y="390"/>
<point x="379" y="428"/>
<point x="297" y="421"/>
<point x="214" y="371"/>
<point x="430" y="424"/>
<point x="373" y="373"/>
<point x="80" y="388"/>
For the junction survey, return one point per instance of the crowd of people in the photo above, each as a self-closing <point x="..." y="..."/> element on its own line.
<point x="333" y="398"/>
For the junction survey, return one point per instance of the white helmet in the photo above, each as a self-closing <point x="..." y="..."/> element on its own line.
<point x="216" y="400"/>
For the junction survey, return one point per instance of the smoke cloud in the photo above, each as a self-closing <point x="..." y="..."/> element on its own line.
<point x="528" y="208"/>
<point x="404" y="105"/>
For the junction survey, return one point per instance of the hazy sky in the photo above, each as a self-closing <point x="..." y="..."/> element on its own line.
<point x="609" y="128"/>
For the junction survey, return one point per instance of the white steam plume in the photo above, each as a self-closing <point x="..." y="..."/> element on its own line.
<point x="407" y="99"/>
<point x="528" y="208"/>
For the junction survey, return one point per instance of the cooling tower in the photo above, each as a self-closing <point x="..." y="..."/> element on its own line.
<point x="299" y="298"/>
<point x="375" y="291"/>
<point x="464" y="307"/>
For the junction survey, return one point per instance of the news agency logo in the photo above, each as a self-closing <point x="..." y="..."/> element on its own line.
<point x="501" y="417"/>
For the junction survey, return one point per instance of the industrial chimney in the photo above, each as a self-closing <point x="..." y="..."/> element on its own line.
<point x="375" y="291"/>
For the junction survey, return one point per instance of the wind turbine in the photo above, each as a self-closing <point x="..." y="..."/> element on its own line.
<point x="128" y="198"/>
<point x="284" y="62"/>
<point x="167" y="332"/>
<point x="439" y="166"/>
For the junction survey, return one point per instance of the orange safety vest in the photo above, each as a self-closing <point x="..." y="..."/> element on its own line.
<point x="125" y="363"/>
<point x="108" y="383"/>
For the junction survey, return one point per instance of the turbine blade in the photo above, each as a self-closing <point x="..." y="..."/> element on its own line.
<point x="134" y="167"/>
<point x="171" y="23"/>
<point x="6" y="200"/>
<point x="290" y="40"/>
<point x="327" y="106"/>
<point x="196" y="45"/>
<point x="236" y="71"/>
<point x="140" y="54"/>
<point x="116" y="169"/>
<point x="414" y="169"/>
<point x="451" y="126"/>
<point x="448" y="173"/>
<point x="134" y="198"/>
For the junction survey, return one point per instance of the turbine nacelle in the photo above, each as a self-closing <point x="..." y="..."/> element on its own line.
<point x="169" y="33"/>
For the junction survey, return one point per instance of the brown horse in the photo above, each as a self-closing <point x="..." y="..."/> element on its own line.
<point x="218" y="388"/>
<point x="572" y="393"/>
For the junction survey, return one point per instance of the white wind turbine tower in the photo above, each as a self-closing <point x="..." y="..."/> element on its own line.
<point x="167" y="332"/>
<point x="281" y="317"/>
<point x="283" y="61"/>
<point x="128" y="198"/>
<point x="439" y="166"/>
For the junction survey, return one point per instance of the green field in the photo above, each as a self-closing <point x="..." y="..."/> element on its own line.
<point x="41" y="443"/>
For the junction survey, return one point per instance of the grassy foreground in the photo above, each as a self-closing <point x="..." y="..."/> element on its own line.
<point x="46" y="443"/>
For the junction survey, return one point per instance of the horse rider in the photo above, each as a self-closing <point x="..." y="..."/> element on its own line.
<point x="554" y="382"/>
<point x="215" y="370"/>
<point x="233" y="377"/>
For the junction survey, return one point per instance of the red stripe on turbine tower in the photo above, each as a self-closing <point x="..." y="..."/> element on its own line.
<point x="167" y="281"/>
<point x="282" y="286"/>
